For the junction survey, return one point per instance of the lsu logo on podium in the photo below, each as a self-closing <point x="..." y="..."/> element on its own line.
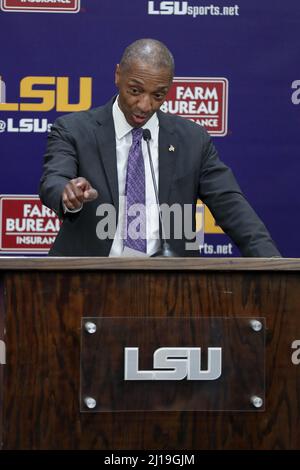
<point x="55" y="95"/>
<point x="55" y="6"/>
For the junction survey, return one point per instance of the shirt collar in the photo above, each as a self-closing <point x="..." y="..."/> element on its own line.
<point x="122" y="127"/>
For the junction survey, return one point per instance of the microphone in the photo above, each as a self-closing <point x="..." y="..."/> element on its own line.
<point x="166" y="250"/>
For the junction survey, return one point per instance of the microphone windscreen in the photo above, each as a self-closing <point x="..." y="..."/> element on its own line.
<point x="146" y="135"/>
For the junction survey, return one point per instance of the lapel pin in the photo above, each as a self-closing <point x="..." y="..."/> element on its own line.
<point x="171" y="148"/>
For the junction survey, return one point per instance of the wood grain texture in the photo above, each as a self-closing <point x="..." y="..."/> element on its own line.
<point x="153" y="264"/>
<point x="43" y="321"/>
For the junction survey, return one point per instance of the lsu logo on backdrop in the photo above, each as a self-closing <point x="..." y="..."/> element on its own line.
<point x="202" y="100"/>
<point x="41" y="6"/>
<point x="54" y="95"/>
<point x="167" y="8"/>
<point x="42" y="94"/>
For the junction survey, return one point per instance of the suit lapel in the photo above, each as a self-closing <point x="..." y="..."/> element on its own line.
<point x="168" y="154"/>
<point x="105" y="135"/>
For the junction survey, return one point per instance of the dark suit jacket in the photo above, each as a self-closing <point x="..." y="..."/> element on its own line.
<point x="83" y="144"/>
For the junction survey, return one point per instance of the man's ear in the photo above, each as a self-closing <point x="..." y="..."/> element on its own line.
<point x="117" y="75"/>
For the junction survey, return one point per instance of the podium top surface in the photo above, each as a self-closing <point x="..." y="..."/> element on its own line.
<point x="151" y="264"/>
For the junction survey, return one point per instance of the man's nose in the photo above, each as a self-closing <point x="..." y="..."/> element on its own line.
<point x="145" y="104"/>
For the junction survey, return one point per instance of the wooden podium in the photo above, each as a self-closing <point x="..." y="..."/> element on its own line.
<point x="43" y="301"/>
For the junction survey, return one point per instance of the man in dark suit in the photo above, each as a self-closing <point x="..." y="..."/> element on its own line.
<point x="96" y="161"/>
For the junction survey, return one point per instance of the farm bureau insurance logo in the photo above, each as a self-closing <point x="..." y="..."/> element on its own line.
<point x="26" y="226"/>
<point x="202" y="100"/>
<point x="41" y="6"/>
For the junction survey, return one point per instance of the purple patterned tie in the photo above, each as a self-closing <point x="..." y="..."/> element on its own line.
<point x="135" y="231"/>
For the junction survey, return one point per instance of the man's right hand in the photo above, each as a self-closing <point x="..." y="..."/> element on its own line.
<point x="76" y="192"/>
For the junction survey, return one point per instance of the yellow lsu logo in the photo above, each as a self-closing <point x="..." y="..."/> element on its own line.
<point x="57" y="98"/>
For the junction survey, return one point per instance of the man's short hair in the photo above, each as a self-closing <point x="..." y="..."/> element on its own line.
<point x="151" y="51"/>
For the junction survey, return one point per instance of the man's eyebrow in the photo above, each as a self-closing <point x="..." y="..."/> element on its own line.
<point x="135" y="80"/>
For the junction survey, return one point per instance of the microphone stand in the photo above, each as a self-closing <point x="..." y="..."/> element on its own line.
<point x="165" y="250"/>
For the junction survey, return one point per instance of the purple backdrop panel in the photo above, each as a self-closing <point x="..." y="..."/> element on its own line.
<point x="58" y="58"/>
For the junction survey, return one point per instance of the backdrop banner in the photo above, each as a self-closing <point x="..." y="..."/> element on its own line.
<point x="237" y="74"/>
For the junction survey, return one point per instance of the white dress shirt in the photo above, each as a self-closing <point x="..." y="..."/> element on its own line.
<point x="123" y="144"/>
